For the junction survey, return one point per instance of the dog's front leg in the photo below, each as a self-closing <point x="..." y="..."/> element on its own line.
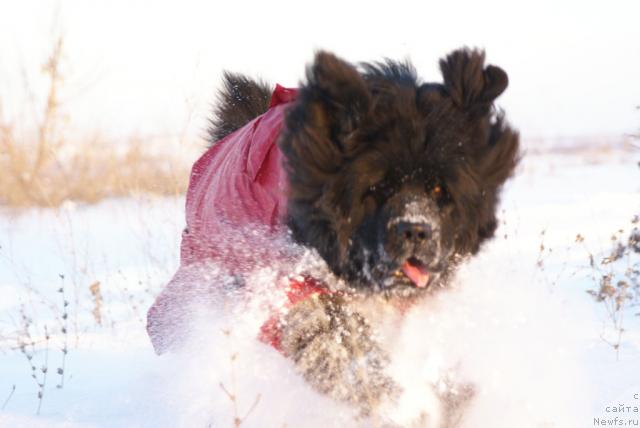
<point x="334" y="349"/>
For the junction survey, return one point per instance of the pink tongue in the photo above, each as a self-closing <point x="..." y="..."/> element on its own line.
<point x="418" y="275"/>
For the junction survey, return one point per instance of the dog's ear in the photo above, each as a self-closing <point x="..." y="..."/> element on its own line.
<point x="472" y="86"/>
<point x="338" y="92"/>
<point x="316" y="143"/>
<point x="499" y="158"/>
<point x="495" y="162"/>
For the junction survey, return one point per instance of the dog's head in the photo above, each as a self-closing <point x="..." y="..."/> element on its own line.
<point x="392" y="180"/>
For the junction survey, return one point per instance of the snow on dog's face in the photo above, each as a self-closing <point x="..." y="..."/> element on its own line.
<point x="393" y="180"/>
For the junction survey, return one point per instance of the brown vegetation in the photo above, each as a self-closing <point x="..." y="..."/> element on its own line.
<point x="48" y="169"/>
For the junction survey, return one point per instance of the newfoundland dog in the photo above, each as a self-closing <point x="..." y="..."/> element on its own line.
<point x="392" y="181"/>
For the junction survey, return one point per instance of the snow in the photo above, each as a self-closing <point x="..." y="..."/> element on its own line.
<point x="518" y="325"/>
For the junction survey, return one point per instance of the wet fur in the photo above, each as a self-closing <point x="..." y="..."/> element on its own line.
<point x="354" y="138"/>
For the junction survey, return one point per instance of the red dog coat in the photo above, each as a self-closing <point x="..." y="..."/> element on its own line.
<point x="239" y="181"/>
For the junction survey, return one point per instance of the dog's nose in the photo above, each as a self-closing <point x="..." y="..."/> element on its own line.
<point x="413" y="232"/>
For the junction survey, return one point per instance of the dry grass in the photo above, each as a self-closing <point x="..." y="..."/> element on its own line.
<point x="91" y="174"/>
<point x="47" y="169"/>
<point x="616" y="277"/>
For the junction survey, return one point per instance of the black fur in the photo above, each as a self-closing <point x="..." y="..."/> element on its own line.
<point x="355" y="138"/>
<point x="240" y="100"/>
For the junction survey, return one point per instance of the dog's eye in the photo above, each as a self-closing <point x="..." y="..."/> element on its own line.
<point x="439" y="193"/>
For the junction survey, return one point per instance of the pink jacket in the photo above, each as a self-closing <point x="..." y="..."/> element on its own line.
<point x="238" y="182"/>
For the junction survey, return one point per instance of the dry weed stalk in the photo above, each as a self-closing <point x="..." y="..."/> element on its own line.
<point x="617" y="276"/>
<point x="231" y="394"/>
<point x="65" y="331"/>
<point x="51" y="169"/>
<point x="24" y="167"/>
<point x="546" y="254"/>
<point x="6" y="401"/>
<point x="27" y="346"/>
<point x="30" y="347"/>
<point x="94" y="289"/>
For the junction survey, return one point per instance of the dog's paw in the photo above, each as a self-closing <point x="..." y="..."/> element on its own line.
<point x="334" y="349"/>
<point x="413" y="409"/>
<point x="456" y="397"/>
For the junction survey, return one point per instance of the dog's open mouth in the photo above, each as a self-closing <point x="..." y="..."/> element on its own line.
<point x="415" y="271"/>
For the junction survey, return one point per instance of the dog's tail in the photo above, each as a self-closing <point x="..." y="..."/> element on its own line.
<point x="240" y="100"/>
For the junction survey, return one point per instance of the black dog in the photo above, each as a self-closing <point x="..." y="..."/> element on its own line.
<point x="393" y="182"/>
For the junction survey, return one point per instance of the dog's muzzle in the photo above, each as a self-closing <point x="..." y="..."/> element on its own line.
<point x="413" y="241"/>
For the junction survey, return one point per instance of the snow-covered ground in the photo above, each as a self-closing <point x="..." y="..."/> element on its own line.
<point x="519" y="324"/>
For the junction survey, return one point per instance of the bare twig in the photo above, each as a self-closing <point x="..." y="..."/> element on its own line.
<point x="13" y="389"/>
<point x="44" y="369"/>
<point x="94" y="289"/>
<point x="65" y="331"/>
<point x="617" y="289"/>
<point x="237" y="420"/>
